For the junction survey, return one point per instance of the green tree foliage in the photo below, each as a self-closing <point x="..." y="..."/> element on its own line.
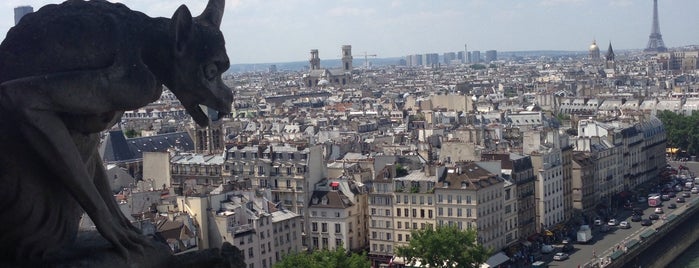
<point x="131" y="133"/>
<point x="478" y="66"/>
<point x="445" y="246"/>
<point x="682" y="131"/>
<point x="401" y="171"/>
<point x="325" y="259"/>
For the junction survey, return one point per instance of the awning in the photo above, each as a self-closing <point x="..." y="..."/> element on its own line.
<point x="496" y="260"/>
<point x="334" y="184"/>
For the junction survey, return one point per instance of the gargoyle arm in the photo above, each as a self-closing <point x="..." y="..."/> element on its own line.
<point x="37" y="102"/>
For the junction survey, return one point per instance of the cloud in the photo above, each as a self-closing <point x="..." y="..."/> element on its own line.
<point x="620" y="3"/>
<point x="560" y="2"/>
<point x="350" y="11"/>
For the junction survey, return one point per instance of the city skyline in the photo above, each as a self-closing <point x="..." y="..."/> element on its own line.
<point x="285" y="31"/>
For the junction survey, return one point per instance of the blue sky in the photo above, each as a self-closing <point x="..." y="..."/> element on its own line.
<point x="261" y="31"/>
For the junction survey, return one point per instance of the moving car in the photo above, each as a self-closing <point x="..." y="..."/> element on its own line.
<point x="637" y="211"/>
<point x="680" y="200"/>
<point x="560" y="256"/>
<point x="672" y="206"/>
<point x="658" y="211"/>
<point x="568" y="247"/>
<point x="646" y="222"/>
<point x="686" y="194"/>
<point x="636" y="218"/>
<point x="653" y="217"/>
<point x="612" y="222"/>
<point x="624" y="225"/>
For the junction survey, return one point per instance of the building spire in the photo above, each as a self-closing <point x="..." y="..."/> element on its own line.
<point x="610" y="52"/>
<point x="655" y="40"/>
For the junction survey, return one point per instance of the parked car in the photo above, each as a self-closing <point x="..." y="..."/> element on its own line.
<point x="560" y="256"/>
<point x="547" y="249"/>
<point x="686" y="194"/>
<point x="672" y="206"/>
<point x="612" y="222"/>
<point x="646" y="222"/>
<point x="641" y="199"/>
<point x="636" y="218"/>
<point x="672" y="195"/>
<point x="658" y="211"/>
<point x="653" y="217"/>
<point x="598" y="222"/>
<point x="568" y="247"/>
<point x="637" y="211"/>
<point x="695" y="190"/>
<point x="665" y="197"/>
<point x="680" y="200"/>
<point x="624" y="225"/>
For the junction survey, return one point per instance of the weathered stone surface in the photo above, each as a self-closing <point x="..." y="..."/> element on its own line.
<point x="67" y="72"/>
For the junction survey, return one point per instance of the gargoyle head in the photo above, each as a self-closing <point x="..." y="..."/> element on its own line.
<point x="199" y="60"/>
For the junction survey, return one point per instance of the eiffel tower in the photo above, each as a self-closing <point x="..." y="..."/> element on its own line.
<point x="655" y="40"/>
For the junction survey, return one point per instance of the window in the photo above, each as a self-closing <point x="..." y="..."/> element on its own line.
<point x="250" y="253"/>
<point x="337" y="228"/>
<point x="399" y="225"/>
<point x="314" y="226"/>
<point x="373" y="211"/>
<point x="398" y="212"/>
<point x="400" y="237"/>
<point x="338" y="242"/>
<point x="429" y="213"/>
<point x="324" y="227"/>
<point x="388" y="212"/>
<point x="414" y="213"/>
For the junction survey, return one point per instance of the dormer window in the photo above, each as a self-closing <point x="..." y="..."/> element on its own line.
<point x="464" y="185"/>
<point x="324" y="201"/>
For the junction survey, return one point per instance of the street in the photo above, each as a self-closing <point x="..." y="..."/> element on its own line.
<point x="603" y="244"/>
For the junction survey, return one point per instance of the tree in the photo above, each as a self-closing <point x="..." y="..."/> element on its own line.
<point x="401" y="171"/>
<point x="445" y="246"/>
<point x="131" y="133"/>
<point x="337" y="258"/>
<point x="682" y="131"/>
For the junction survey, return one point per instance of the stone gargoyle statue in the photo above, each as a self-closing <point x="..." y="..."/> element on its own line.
<point x="68" y="72"/>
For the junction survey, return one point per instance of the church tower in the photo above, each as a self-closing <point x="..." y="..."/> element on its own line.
<point x="315" y="61"/>
<point x="347" y="58"/>
<point x="610" y="63"/>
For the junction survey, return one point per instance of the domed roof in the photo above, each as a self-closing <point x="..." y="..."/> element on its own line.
<point x="594" y="46"/>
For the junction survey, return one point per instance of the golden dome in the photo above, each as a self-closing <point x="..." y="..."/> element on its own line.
<point x="594" y="47"/>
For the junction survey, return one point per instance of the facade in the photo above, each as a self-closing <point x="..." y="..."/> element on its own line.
<point x="318" y="76"/>
<point x="491" y="55"/>
<point x="195" y="173"/>
<point x="288" y="172"/>
<point x="470" y="196"/>
<point x="337" y="211"/>
<point x="380" y="213"/>
<point x="584" y="190"/>
<point x="548" y="166"/>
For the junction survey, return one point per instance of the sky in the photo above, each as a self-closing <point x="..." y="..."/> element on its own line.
<point x="268" y="31"/>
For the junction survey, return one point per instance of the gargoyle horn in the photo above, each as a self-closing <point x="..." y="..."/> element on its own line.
<point x="213" y="13"/>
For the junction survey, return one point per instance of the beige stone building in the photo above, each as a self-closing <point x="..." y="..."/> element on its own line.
<point x="337" y="215"/>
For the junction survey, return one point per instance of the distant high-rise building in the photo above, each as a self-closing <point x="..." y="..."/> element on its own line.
<point x="272" y="68"/>
<point x="460" y="56"/>
<point x="430" y="59"/>
<point x="491" y="55"/>
<point x="655" y="40"/>
<point x="467" y="56"/>
<point x="475" y="56"/>
<point x="21" y="11"/>
<point x="594" y="51"/>
<point x="449" y="57"/>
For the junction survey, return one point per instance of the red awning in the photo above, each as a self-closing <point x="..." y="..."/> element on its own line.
<point x="334" y="184"/>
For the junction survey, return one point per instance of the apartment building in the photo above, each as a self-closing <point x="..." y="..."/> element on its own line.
<point x="337" y="215"/>
<point x="287" y="171"/>
<point x="470" y="196"/>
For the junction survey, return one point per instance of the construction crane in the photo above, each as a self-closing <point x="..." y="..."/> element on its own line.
<point x="366" y="59"/>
